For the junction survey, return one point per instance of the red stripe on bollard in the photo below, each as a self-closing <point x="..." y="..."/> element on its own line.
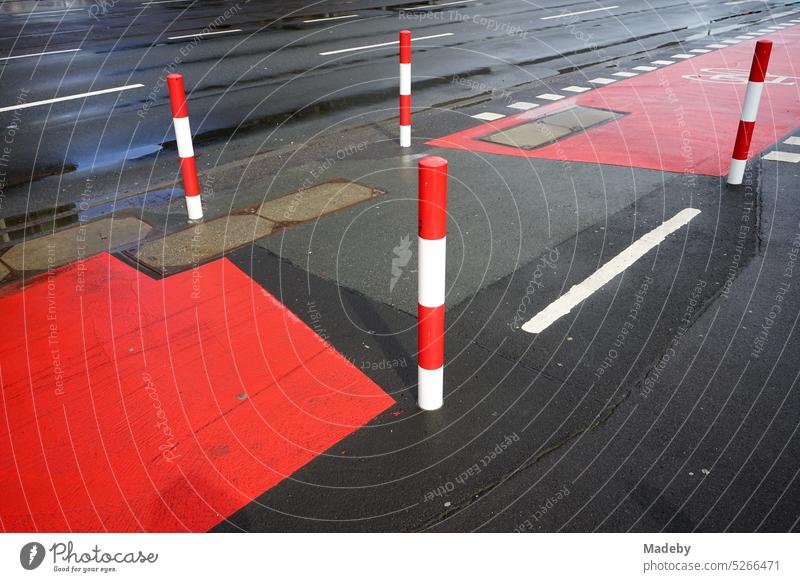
<point x="177" y="95"/>
<point x="432" y="254"/>
<point x="405" y="110"/>
<point x="758" y="68"/>
<point x="743" y="137"/>
<point x="405" y="46"/>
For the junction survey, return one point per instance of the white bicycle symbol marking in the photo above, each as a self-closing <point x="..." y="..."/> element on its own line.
<point x="736" y="77"/>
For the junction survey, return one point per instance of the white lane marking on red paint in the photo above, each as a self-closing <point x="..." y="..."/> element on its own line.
<point x="488" y="116"/>
<point x="549" y="96"/>
<point x="794" y="140"/>
<point x="662" y="62"/>
<point x="369" y="46"/>
<point x="576" y="89"/>
<point x="607" y="272"/>
<point x="777" y="156"/>
<point x="329" y="18"/>
<point x="602" y="81"/>
<point x="70" y="97"/>
<point x="39" y="54"/>
<point x="579" y="12"/>
<point x="199" y="34"/>
<point x="523" y="105"/>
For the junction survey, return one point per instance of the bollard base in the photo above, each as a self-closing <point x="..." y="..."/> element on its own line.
<point x="194" y="208"/>
<point x="430" y="387"/>
<point x="736" y="172"/>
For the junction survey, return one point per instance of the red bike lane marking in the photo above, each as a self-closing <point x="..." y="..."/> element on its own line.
<point x="133" y="404"/>
<point x="679" y="118"/>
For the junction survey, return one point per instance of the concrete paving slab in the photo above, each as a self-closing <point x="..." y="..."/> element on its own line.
<point x="76" y="243"/>
<point x="202" y="241"/>
<point x="315" y="202"/>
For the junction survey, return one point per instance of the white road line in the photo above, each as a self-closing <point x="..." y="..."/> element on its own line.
<point x="681" y="56"/>
<point x="776" y="156"/>
<point x="716" y="46"/>
<point x="199" y="34"/>
<point x="663" y="62"/>
<point x="523" y="105"/>
<point x="700" y="51"/>
<point x="576" y="89"/>
<point x="329" y="18"/>
<point x="744" y="37"/>
<point x="435" y="6"/>
<point x="69" y="97"/>
<point x="602" y="81"/>
<point x="625" y="74"/>
<point x="369" y="46"/>
<point x="645" y="68"/>
<point x="39" y="54"/>
<point x="166" y="2"/>
<point x="794" y="140"/>
<point x="549" y="96"/>
<point x="488" y="116"/>
<point x="43" y="12"/>
<point x="607" y="272"/>
<point x="576" y="13"/>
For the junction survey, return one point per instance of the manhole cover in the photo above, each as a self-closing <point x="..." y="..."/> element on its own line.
<point x="551" y="128"/>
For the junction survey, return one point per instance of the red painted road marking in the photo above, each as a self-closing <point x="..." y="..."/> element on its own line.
<point x="119" y="401"/>
<point x="676" y="122"/>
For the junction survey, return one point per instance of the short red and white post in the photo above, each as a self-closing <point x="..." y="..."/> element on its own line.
<point x="431" y="283"/>
<point x="405" y="88"/>
<point x="183" y="134"/>
<point x="752" y="97"/>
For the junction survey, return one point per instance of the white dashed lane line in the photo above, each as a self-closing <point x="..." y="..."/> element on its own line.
<point x="549" y="96"/>
<point x="576" y="89"/>
<point x="602" y="81"/>
<point x="645" y="68"/>
<point x="435" y="6"/>
<point x="716" y="46"/>
<point x="625" y="74"/>
<point x="201" y="34"/>
<point x="69" y="97"/>
<point x="663" y="62"/>
<point x="777" y="156"/>
<point x="488" y="116"/>
<point x="369" y="46"/>
<point x="681" y="56"/>
<point x="607" y="272"/>
<point x="700" y="51"/>
<point x="523" y="105"/>
<point x="794" y="140"/>
<point x="313" y="20"/>
<point x="39" y="54"/>
<point x="579" y="12"/>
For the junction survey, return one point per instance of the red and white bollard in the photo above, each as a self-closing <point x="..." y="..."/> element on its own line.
<point x="405" y="88"/>
<point x="183" y="134"/>
<point x="431" y="283"/>
<point x="758" y="72"/>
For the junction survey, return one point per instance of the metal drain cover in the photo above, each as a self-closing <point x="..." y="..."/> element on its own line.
<point x="552" y="128"/>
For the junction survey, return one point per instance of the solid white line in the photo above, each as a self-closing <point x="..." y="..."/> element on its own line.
<point x="69" y="97"/>
<point x="435" y="6"/>
<point x="39" y="54"/>
<point x="369" y="46"/>
<point x="329" y="18"/>
<point x="199" y="34"/>
<point x="576" y="13"/>
<point x="45" y="12"/>
<point x="607" y="272"/>
<point x="777" y="156"/>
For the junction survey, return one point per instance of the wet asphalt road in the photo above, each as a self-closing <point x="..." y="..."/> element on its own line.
<point x="262" y="68"/>
<point x="706" y="442"/>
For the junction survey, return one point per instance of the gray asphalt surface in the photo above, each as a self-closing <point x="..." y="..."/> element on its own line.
<point x="690" y="427"/>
